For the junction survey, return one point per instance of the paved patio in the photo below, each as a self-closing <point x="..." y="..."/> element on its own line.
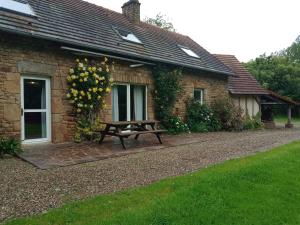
<point x="27" y="190"/>
<point x="47" y="156"/>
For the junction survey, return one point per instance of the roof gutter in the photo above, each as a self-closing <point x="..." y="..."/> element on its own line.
<point x="107" y="49"/>
<point x="96" y="54"/>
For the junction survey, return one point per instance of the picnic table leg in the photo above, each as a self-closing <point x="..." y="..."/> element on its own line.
<point x="103" y="134"/>
<point x="122" y="142"/>
<point x="158" y="137"/>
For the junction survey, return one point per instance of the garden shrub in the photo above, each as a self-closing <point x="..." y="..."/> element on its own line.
<point x="88" y="85"/>
<point x="9" y="146"/>
<point x="200" y="118"/>
<point x="167" y="88"/>
<point x="230" y="115"/>
<point x="175" y="125"/>
<point x="252" y="123"/>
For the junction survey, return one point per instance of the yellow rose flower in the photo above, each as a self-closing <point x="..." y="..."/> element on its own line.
<point x="82" y="93"/>
<point x="111" y="80"/>
<point x="81" y="80"/>
<point x="74" y="84"/>
<point x="90" y="89"/>
<point x="99" y="97"/>
<point x="108" y="90"/>
<point x="107" y="70"/>
<point x="94" y="69"/>
<point x="71" y="71"/>
<point x="85" y="79"/>
<point x="86" y="60"/>
<point x="80" y="65"/>
<point x="100" y="69"/>
<point x="94" y="90"/>
<point x="100" y="89"/>
<point x="77" y="60"/>
<point x="79" y="110"/>
<point x="68" y="95"/>
<point x="69" y="78"/>
<point x="73" y="77"/>
<point x="97" y="81"/>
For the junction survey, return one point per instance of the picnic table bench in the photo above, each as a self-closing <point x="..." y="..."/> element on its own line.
<point x="125" y="129"/>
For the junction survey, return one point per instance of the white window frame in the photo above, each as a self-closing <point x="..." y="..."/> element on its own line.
<point x="136" y="40"/>
<point x="129" y="99"/>
<point x="202" y="95"/>
<point x="47" y="111"/>
<point x="189" y="52"/>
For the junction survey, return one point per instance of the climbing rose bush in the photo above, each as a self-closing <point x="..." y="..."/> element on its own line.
<point x="88" y="84"/>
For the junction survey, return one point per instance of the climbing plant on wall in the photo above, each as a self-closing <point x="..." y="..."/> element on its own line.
<point x="167" y="88"/>
<point x="88" y="84"/>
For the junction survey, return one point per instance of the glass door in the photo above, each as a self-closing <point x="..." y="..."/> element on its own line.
<point x="36" y="125"/>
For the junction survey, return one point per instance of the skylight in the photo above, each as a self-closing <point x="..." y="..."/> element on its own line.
<point x="189" y="52"/>
<point x="128" y="36"/>
<point x="15" y="6"/>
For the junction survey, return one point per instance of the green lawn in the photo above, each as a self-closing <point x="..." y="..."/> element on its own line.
<point x="262" y="189"/>
<point x="283" y="119"/>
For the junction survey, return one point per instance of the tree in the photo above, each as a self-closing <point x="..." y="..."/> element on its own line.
<point x="293" y="52"/>
<point x="161" y="21"/>
<point x="278" y="73"/>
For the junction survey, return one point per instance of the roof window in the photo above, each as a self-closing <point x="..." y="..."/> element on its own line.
<point x="127" y="35"/>
<point x="189" y="52"/>
<point x="16" y="6"/>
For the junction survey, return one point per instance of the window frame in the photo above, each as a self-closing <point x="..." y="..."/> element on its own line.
<point x="128" y="97"/>
<point x="201" y="90"/>
<point x="193" y="54"/>
<point x="117" y="30"/>
<point x="28" y="12"/>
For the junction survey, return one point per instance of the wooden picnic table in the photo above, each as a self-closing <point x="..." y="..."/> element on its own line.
<point x="124" y="129"/>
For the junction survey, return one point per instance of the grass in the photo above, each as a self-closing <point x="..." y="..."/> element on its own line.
<point x="261" y="189"/>
<point x="283" y="119"/>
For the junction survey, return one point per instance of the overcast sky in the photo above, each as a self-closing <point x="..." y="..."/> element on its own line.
<point x="245" y="28"/>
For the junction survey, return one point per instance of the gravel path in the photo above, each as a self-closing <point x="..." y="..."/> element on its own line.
<point x="26" y="190"/>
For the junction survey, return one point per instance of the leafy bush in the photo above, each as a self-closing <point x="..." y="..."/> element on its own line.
<point x="200" y="118"/>
<point x="167" y="88"/>
<point x="175" y="125"/>
<point x="230" y="115"/>
<point x="9" y="146"/>
<point x="252" y="123"/>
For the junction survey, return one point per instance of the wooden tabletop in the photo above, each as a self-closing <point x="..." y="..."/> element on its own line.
<point x="139" y="122"/>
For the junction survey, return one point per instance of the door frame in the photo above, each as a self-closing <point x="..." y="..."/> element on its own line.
<point x="128" y="88"/>
<point x="47" y="110"/>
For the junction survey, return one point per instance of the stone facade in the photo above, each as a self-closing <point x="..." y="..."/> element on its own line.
<point x="25" y="56"/>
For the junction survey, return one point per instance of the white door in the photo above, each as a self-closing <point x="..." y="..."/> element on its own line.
<point x="35" y="109"/>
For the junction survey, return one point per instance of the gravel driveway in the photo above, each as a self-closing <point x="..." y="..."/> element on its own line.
<point x="26" y="190"/>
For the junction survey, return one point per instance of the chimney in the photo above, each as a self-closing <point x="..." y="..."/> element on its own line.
<point x="132" y="11"/>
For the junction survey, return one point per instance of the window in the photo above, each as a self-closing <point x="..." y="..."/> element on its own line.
<point x="127" y="36"/>
<point x="129" y="102"/>
<point x="189" y="52"/>
<point x="16" y="6"/>
<point x="198" y="95"/>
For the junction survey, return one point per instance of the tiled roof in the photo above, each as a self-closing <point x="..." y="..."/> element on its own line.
<point x="242" y="82"/>
<point x="79" y="23"/>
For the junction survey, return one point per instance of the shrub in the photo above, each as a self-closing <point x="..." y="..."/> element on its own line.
<point x="228" y="113"/>
<point x="175" y="125"/>
<point x="252" y="123"/>
<point x="9" y="146"/>
<point x="200" y="118"/>
<point x="167" y="88"/>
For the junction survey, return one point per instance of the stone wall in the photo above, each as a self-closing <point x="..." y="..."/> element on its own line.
<point x="25" y="56"/>
<point x="214" y="86"/>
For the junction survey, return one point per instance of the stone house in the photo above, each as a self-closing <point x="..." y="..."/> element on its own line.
<point x="40" y="40"/>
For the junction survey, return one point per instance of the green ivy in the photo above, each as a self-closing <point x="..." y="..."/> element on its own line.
<point x="168" y="87"/>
